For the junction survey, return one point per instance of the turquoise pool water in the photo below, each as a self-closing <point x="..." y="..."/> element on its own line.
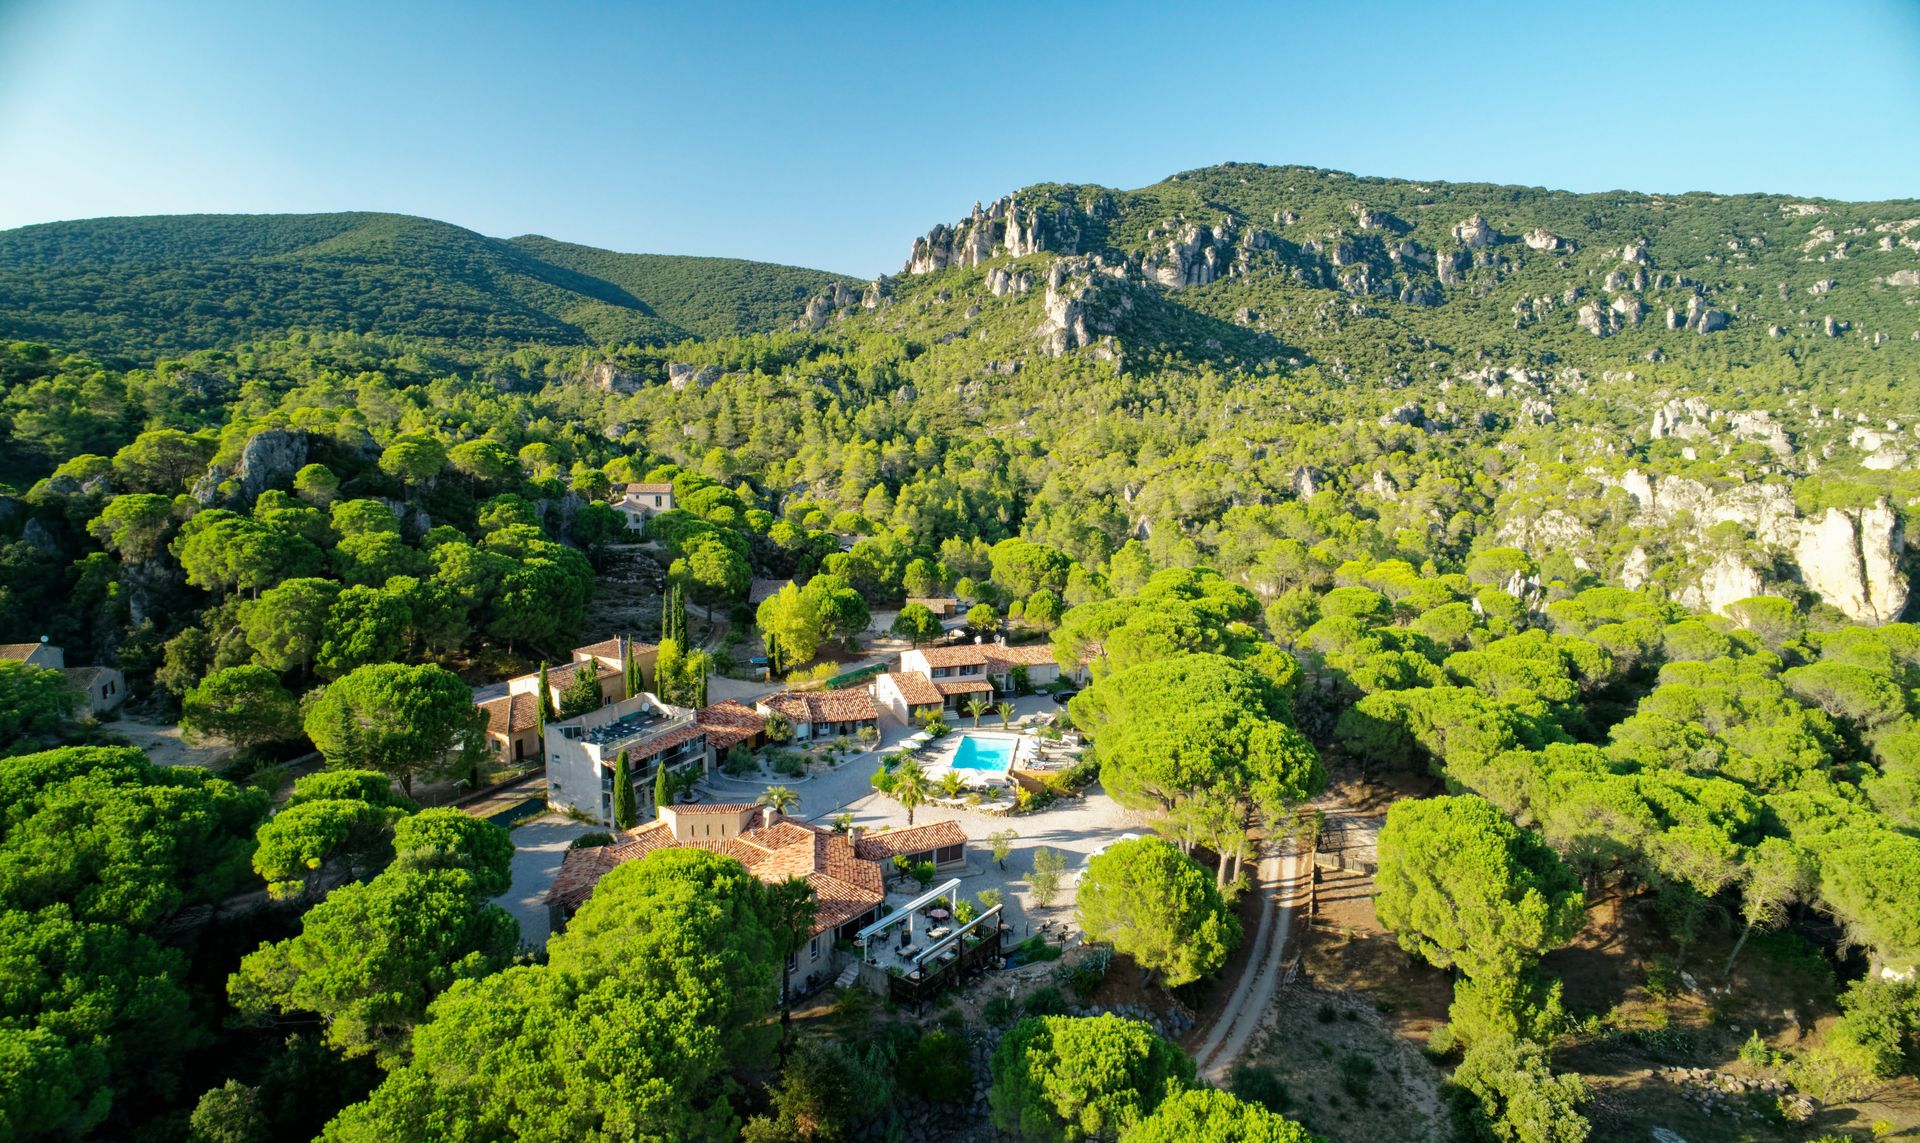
<point x="983" y="753"/>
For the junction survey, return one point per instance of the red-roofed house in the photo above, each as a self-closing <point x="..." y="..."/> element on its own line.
<point x="729" y="724"/>
<point x="640" y="501"/>
<point x="513" y="725"/>
<point x="993" y="663"/>
<point x="906" y="696"/>
<point x="824" y="714"/>
<point x="847" y="872"/>
<point x="583" y="752"/>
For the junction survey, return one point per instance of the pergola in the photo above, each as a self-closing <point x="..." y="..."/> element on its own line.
<point x="864" y="938"/>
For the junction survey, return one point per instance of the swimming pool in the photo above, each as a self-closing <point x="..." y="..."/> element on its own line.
<point x="989" y="752"/>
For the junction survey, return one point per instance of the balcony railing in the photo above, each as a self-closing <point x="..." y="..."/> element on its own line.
<point x="612" y="744"/>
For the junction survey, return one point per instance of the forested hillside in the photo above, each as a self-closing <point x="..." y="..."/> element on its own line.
<point x="1583" y="516"/>
<point x="131" y="289"/>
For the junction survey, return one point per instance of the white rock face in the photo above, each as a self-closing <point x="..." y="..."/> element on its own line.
<point x="1726" y="582"/>
<point x="1853" y="561"/>
<point x="1851" y="558"/>
<point x="1474" y="233"/>
<point x="1538" y="239"/>
<point x="1634" y="569"/>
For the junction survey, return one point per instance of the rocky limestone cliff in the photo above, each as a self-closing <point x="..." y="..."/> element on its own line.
<point x="1853" y="560"/>
<point x="1084" y="298"/>
<point x="1005" y="226"/>
<point x="610" y="378"/>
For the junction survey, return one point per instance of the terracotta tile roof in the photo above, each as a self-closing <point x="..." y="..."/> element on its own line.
<point x="610" y="649"/>
<point x="716" y="808"/>
<point x="917" y="839"/>
<point x="938" y="604"/>
<point x="728" y="723"/>
<point x="19" y="651"/>
<point x="781" y="834"/>
<point x="915" y="688"/>
<point x="1031" y="655"/>
<point x="850" y="705"/>
<point x="82" y="677"/>
<point x="510" y="714"/>
<point x="580" y="870"/>
<point x="653" y="489"/>
<point x="836" y="902"/>
<point x="963" y="686"/>
<point x="958" y="656"/>
<point x="845" y="886"/>
<point x="664" y="743"/>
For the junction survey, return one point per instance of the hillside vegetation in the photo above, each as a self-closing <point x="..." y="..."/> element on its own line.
<point x="1358" y="477"/>
<point x="134" y="288"/>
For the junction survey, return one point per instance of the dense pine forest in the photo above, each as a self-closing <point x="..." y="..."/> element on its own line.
<point x="1580" y="520"/>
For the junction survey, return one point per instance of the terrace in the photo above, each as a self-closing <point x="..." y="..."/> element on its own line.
<point x="921" y="948"/>
<point x="610" y="738"/>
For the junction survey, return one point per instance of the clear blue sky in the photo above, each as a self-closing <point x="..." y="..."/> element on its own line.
<point x="830" y="134"/>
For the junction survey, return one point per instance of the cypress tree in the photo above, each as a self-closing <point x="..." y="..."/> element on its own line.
<point x="543" y="705"/>
<point x="626" y="814"/>
<point x="660" y="794"/>
<point x="634" y="682"/>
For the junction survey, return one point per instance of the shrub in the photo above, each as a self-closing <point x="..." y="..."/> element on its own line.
<point x="1086" y="976"/>
<point x="739" y="760"/>
<point x="1356" y="1075"/>
<point x="1047" y="1001"/>
<point x="590" y="840"/>
<point x="1000" y="1011"/>
<point x="1258" y="1085"/>
<point x="1034" y="949"/>
<point x="937" y="1069"/>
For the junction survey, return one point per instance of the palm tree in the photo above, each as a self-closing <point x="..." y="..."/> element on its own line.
<point x="910" y="787"/>
<point x="977" y="707"/>
<point x="781" y="798"/>
<point x="792" y="907"/>
<point x="1005" y="711"/>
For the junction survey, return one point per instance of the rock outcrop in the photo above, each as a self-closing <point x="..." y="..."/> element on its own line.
<point x="1005" y="226"/>
<point x="1002" y="282"/>
<point x="609" y="378"/>
<point x="824" y="306"/>
<point x="1194" y="256"/>
<point x="268" y="459"/>
<point x="1852" y="558"/>
<point x="1084" y="298"/>
<point x="1726" y="581"/>
<point x="1475" y="233"/>
<point x="680" y="375"/>
<point x="1538" y="239"/>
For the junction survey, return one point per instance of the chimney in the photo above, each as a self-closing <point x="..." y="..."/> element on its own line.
<point x="766" y="816"/>
<point x="853" y="838"/>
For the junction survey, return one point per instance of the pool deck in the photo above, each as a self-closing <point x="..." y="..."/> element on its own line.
<point x="938" y="758"/>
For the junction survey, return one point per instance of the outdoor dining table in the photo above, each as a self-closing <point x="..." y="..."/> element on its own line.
<point x="938" y="932"/>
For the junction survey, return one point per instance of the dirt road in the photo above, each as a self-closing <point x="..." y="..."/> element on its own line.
<point x="1282" y="883"/>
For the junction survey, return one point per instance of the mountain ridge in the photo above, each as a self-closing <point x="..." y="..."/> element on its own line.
<point x="136" y="287"/>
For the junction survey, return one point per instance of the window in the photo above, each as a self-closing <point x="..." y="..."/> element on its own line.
<point x="813" y="948"/>
<point x="947" y="853"/>
<point x="793" y="962"/>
